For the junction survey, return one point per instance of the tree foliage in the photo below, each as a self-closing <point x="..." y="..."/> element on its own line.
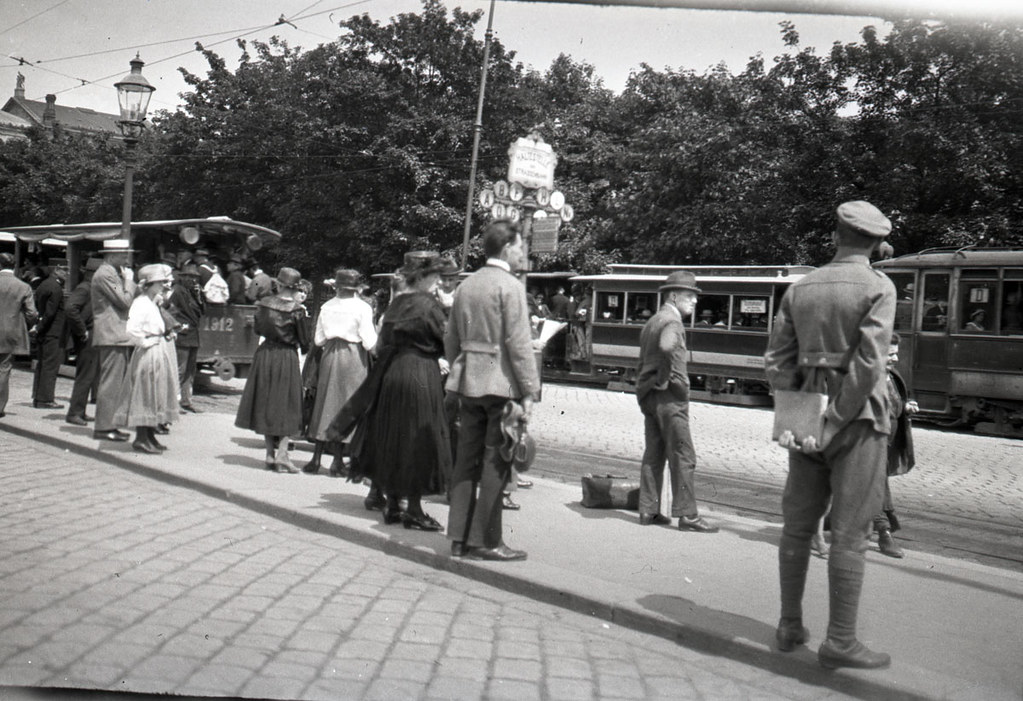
<point x="358" y="149"/>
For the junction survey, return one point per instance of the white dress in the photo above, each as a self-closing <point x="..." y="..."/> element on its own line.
<point x="152" y="378"/>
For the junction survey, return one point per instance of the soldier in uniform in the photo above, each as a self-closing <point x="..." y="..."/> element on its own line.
<point x="831" y="336"/>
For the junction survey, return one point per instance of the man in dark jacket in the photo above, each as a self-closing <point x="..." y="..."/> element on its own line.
<point x="662" y="389"/>
<point x="187" y="306"/>
<point x="237" y="283"/>
<point x="79" y="326"/>
<point x="49" y="331"/>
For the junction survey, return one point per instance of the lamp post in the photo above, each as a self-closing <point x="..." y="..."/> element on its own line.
<point x="133" y="93"/>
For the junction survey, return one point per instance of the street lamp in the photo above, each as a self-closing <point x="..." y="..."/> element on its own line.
<point x="133" y="93"/>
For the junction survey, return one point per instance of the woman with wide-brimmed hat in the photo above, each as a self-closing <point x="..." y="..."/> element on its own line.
<point x="405" y="446"/>
<point x="271" y="403"/>
<point x="152" y="377"/>
<point x="345" y="333"/>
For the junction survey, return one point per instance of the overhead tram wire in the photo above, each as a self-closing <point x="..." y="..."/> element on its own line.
<point x="29" y="19"/>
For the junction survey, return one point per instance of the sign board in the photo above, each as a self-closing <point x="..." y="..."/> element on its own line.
<point x="545" y="235"/>
<point x="531" y="163"/>
<point x="753" y="306"/>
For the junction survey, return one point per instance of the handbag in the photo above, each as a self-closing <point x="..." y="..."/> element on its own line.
<point x="610" y="492"/>
<point x="799" y="412"/>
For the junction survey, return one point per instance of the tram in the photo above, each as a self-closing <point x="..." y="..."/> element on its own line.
<point x="960" y="317"/>
<point x="228" y="338"/>
<point x="727" y="335"/>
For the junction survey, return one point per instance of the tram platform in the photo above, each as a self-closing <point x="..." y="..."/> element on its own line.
<point x="952" y="626"/>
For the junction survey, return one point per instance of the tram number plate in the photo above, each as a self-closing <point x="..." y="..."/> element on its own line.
<point x="224" y="324"/>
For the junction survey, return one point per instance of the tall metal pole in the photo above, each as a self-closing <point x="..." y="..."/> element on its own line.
<point x="129" y="177"/>
<point x="477" y="129"/>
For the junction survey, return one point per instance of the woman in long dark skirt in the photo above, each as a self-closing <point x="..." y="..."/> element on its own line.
<point x="407" y="445"/>
<point x="271" y="403"/>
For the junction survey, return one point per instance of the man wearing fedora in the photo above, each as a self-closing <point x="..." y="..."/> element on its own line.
<point x="79" y="324"/>
<point x="489" y="346"/>
<point x="237" y="283"/>
<point x="831" y="336"/>
<point x="187" y="305"/>
<point x="17" y="313"/>
<point x="662" y="389"/>
<point x="113" y="289"/>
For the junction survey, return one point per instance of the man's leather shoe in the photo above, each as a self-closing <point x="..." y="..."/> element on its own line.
<point x="888" y="546"/>
<point x="75" y="420"/>
<point x="190" y="409"/>
<point x="112" y="435"/>
<point x="524" y="484"/>
<point x="508" y="505"/>
<point x="459" y="549"/>
<point x="696" y="524"/>
<point x="790" y="633"/>
<point x="654" y="520"/>
<point x="502" y="553"/>
<point x="858" y="655"/>
<point x="47" y="405"/>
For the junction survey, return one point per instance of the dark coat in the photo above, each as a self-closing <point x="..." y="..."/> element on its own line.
<point x="901" y="457"/>
<point x="50" y="303"/>
<point x="187" y="305"/>
<point x="78" y="313"/>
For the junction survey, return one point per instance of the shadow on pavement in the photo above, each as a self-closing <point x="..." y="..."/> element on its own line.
<point x="602" y="514"/>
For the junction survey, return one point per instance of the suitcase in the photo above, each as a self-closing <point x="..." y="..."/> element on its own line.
<point x="610" y="492"/>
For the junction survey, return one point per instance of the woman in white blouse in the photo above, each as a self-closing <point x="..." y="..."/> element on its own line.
<point x="345" y="331"/>
<point x="153" y="394"/>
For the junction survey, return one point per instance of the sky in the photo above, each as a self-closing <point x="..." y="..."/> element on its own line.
<point x="77" y="49"/>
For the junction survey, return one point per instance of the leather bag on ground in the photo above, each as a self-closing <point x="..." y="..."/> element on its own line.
<point x="610" y="492"/>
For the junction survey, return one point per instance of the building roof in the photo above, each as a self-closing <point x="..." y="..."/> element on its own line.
<point x="71" y="118"/>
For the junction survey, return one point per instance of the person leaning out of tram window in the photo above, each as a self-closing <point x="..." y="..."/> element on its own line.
<point x="271" y="402"/>
<point x="345" y="333"/>
<point x="152" y="377"/>
<point x="901" y="458"/>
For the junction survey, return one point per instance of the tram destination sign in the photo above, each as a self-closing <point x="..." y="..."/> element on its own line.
<point x="531" y="163"/>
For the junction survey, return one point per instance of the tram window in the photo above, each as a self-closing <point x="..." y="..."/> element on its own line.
<point x="976" y="314"/>
<point x="610" y="306"/>
<point x="935" y="302"/>
<point x="905" y="293"/>
<point x="641" y="306"/>
<point x="749" y="313"/>
<point x="712" y="310"/>
<point x="1012" y="303"/>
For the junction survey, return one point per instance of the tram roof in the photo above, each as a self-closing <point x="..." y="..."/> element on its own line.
<point x="714" y="270"/>
<point x="956" y="258"/>
<point x="99" y="231"/>
<point x="700" y="277"/>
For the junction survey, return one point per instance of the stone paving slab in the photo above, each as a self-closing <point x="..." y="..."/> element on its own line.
<point x="953" y="625"/>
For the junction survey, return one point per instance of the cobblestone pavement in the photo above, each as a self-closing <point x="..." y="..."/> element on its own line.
<point x="114" y="581"/>
<point x="964" y="475"/>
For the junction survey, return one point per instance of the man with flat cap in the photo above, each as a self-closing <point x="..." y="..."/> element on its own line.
<point x="831" y="336"/>
<point x="662" y="389"/>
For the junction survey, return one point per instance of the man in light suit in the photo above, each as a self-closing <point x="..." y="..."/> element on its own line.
<point x="489" y="346"/>
<point x="17" y="313"/>
<point x="113" y="289"/>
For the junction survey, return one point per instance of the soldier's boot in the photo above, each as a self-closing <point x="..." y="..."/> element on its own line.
<point x="793" y="560"/>
<point x="841" y="648"/>
<point x="887" y="543"/>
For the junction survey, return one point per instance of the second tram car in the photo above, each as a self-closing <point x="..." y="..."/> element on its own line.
<point x="727" y="335"/>
<point x="960" y="317"/>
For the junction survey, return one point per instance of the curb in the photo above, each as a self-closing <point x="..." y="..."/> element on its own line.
<point x="801" y="665"/>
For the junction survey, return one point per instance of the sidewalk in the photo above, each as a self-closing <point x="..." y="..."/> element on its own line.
<point x="953" y="627"/>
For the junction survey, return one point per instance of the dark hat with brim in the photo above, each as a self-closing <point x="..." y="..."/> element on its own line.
<point x="421" y="263"/>
<point x="449" y="268"/>
<point x="680" y="280"/>
<point x="346" y="279"/>
<point x="289" y="278"/>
